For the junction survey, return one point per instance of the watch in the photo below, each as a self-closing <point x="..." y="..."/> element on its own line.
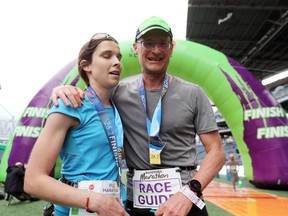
<point x="195" y="186"/>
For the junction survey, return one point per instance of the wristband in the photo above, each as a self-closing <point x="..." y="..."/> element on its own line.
<point x="192" y="197"/>
<point x="87" y="204"/>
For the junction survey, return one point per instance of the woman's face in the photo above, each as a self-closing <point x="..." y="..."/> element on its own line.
<point x="105" y="68"/>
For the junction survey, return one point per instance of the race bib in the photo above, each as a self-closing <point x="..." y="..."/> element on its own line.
<point x="154" y="187"/>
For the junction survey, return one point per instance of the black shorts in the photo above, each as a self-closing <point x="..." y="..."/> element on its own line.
<point x="195" y="211"/>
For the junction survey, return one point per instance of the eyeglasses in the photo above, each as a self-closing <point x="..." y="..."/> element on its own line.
<point x="149" y="45"/>
<point x="99" y="36"/>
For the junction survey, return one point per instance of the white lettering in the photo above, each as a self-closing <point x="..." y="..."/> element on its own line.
<point x="38" y="112"/>
<point x="272" y="132"/>
<point x="27" y="131"/>
<point x="266" y="112"/>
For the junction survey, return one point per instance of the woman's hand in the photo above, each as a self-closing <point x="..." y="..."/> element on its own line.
<point x="106" y="205"/>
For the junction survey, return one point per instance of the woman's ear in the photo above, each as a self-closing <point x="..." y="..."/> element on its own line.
<point x="84" y="64"/>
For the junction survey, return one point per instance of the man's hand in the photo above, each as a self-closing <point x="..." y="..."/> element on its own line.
<point x="74" y="94"/>
<point x="178" y="204"/>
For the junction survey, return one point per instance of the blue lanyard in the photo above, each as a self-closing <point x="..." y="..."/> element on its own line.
<point x="114" y="132"/>
<point x="153" y="127"/>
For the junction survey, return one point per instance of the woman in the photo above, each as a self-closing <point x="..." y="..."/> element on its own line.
<point x="89" y="141"/>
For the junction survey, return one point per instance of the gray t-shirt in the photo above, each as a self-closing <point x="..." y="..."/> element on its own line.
<point x="186" y="111"/>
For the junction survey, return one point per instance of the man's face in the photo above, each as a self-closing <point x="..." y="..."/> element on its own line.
<point x="154" y="50"/>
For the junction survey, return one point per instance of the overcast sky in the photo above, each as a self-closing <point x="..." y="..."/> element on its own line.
<point x="39" y="37"/>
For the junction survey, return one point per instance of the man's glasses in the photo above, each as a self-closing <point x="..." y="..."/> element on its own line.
<point x="99" y="36"/>
<point x="149" y="45"/>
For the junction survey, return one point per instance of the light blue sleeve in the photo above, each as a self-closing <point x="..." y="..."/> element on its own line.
<point x="67" y="110"/>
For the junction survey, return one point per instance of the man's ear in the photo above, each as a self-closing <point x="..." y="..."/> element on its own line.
<point x="173" y="44"/>
<point x="135" y="48"/>
<point x="85" y="65"/>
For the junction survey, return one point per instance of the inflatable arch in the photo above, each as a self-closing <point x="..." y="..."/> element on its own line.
<point x="258" y="123"/>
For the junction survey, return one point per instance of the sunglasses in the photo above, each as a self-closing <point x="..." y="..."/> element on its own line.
<point x="100" y="36"/>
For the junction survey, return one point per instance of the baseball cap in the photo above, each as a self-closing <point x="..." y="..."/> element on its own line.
<point x="153" y="22"/>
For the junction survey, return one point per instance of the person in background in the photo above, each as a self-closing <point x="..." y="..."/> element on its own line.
<point x="232" y="167"/>
<point x="88" y="140"/>
<point x="14" y="183"/>
<point x="161" y="116"/>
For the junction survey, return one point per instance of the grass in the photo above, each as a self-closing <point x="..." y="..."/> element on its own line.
<point x="36" y="208"/>
<point x="22" y="208"/>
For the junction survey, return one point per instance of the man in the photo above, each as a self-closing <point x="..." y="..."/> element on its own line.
<point x="161" y="115"/>
<point x="232" y="167"/>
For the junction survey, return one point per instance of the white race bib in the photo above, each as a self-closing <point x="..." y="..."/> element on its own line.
<point x="154" y="187"/>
